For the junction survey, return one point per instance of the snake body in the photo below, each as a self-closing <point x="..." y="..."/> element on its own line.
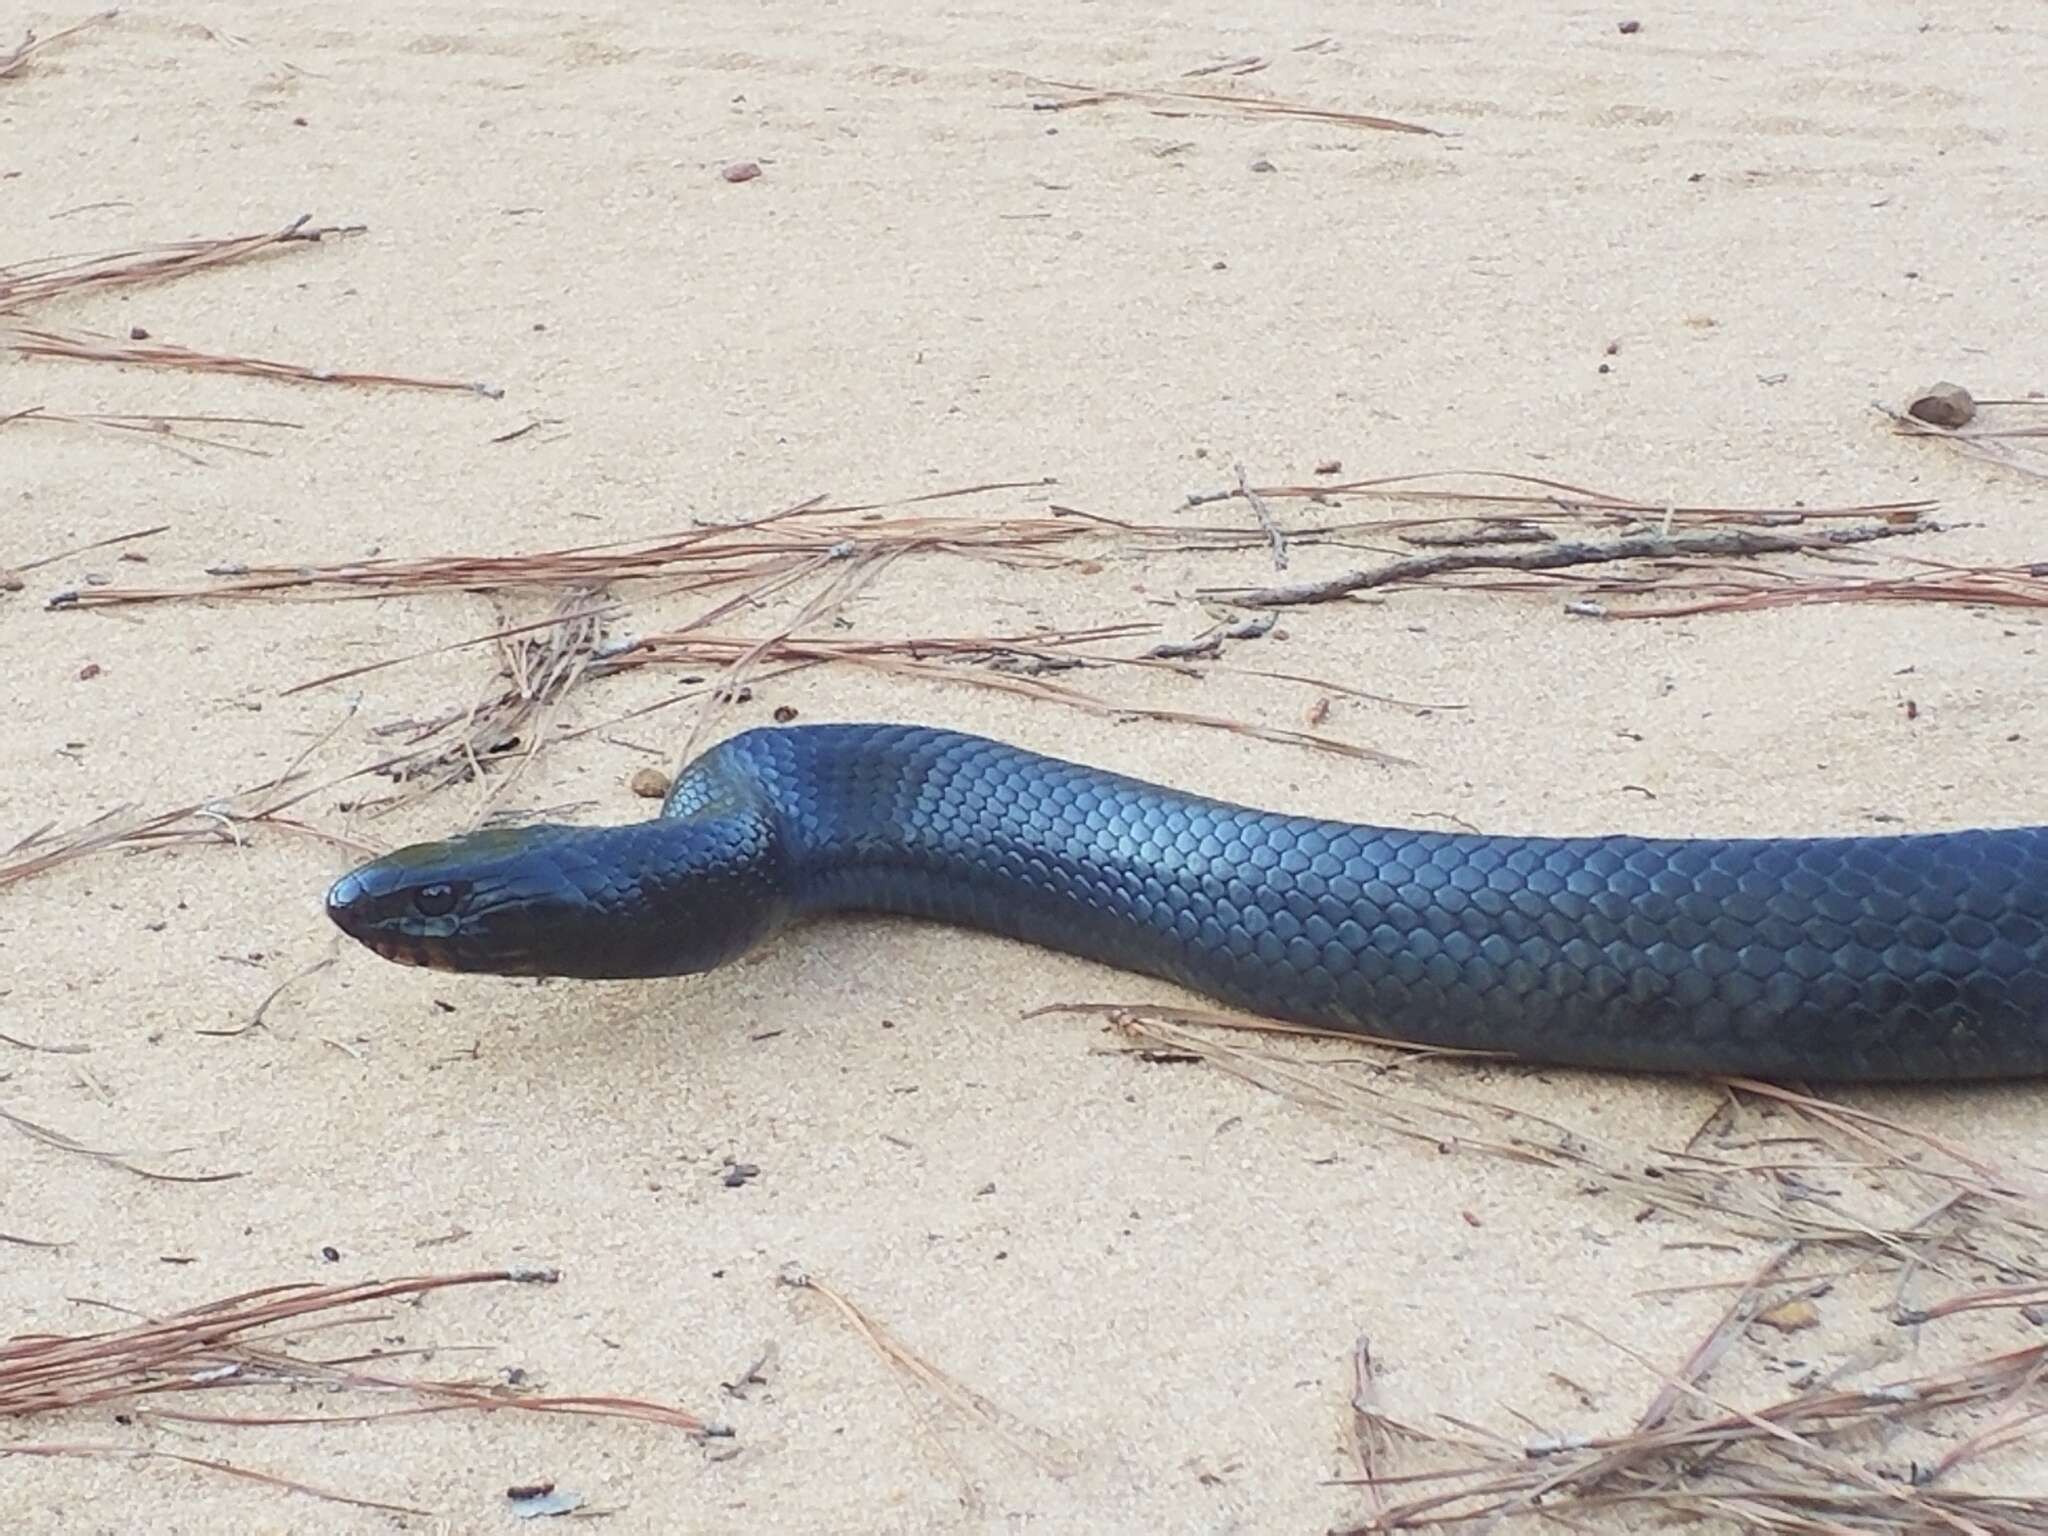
<point x="1894" y="958"/>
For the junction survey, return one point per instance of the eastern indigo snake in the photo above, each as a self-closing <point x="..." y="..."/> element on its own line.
<point x="1899" y="958"/>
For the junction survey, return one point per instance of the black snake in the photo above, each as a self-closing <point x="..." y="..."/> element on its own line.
<point x="1895" y="958"/>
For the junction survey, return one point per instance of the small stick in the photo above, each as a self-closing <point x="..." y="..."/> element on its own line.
<point x="1648" y="546"/>
<point x="1274" y="537"/>
<point x="1211" y="644"/>
<point x="1369" y="1435"/>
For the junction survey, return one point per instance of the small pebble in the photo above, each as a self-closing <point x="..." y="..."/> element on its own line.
<point x="741" y="170"/>
<point x="1790" y="1316"/>
<point x="1630" y="28"/>
<point x="1943" y="405"/>
<point x="1262" y="164"/>
<point x="1329" y="466"/>
<point x="649" y="783"/>
<point x="88" y="672"/>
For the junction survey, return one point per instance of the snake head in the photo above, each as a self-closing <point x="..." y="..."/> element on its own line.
<point x="654" y="899"/>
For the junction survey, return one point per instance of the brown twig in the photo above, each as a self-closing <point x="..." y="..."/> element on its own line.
<point x="1210" y="645"/>
<point x="1724" y="544"/>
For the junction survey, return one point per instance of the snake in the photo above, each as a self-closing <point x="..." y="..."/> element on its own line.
<point x="1874" y="958"/>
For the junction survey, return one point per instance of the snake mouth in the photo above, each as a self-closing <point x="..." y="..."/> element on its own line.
<point x="430" y="957"/>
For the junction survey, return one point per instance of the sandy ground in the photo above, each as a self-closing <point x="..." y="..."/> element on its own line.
<point x="1679" y="264"/>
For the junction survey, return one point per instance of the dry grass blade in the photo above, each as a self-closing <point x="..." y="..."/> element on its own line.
<point x="35" y="282"/>
<point x="964" y="1399"/>
<point x="2031" y="1297"/>
<point x="64" y="1143"/>
<point x="783" y="542"/>
<point x="209" y="1464"/>
<point x="1992" y="445"/>
<point x="1773" y="1467"/>
<point x="936" y="658"/>
<point x="28" y="283"/>
<point x="1788" y="1465"/>
<point x="1854" y="1184"/>
<point x="540" y="664"/>
<point x="216" y="1347"/>
<point x="2010" y="586"/>
<point x="10" y="579"/>
<point x="1562" y="498"/>
<point x="51" y="1050"/>
<point x="32" y="341"/>
<point x="173" y="432"/>
<point x="1251" y="106"/>
<point x="11" y="62"/>
<point x="122" y="829"/>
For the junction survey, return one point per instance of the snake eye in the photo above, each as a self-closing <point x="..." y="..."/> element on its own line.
<point x="436" y="900"/>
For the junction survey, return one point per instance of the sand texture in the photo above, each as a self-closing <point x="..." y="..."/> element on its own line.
<point x="1679" y="266"/>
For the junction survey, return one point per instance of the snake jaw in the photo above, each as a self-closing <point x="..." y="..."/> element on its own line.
<point x="384" y="916"/>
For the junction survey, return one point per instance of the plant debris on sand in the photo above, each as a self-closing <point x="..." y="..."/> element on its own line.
<point x="150" y="1369"/>
<point x="1865" y="1203"/>
<point x="31" y="283"/>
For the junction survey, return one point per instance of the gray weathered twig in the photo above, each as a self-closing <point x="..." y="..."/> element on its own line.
<point x="1646" y="546"/>
<point x="1274" y="537"/>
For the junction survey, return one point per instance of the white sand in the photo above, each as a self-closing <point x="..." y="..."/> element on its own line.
<point x="1779" y="219"/>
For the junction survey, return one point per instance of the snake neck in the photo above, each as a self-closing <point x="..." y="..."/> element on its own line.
<point x="917" y="822"/>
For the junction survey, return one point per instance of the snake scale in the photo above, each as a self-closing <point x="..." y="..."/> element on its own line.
<point x="1890" y="958"/>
